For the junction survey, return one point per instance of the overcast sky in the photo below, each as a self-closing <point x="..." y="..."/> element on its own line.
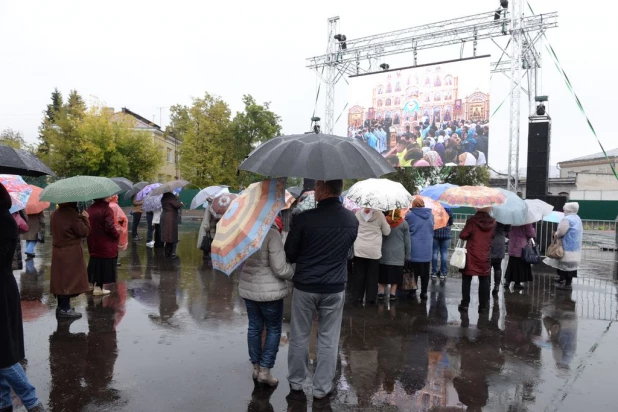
<point x="144" y="55"/>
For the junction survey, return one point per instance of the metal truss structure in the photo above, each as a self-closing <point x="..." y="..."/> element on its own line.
<point x="361" y="56"/>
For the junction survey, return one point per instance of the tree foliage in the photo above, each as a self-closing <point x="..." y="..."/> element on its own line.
<point x="214" y="144"/>
<point x="97" y="142"/>
<point x="12" y="138"/>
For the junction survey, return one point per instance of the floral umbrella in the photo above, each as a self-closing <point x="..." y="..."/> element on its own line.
<point x="18" y="189"/>
<point x="220" y="203"/>
<point x="243" y="228"/>
<point x="379" y="194"/>
<point x="473" y="196"/>
<point x="142" y="194"/>
<point x="440" y="216"/>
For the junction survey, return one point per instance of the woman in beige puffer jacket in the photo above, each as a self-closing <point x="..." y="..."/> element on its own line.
<point x="263" y="286"/>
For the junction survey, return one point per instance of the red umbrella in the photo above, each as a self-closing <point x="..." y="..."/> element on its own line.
<point x="34" y="205"/>
<point x="221" y="203"/>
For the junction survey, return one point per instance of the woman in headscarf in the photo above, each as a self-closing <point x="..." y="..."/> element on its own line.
<point x="433" y="158"/>
<point x="440" y="148"/>
<point x="395" y="254"/>
<point x="69" y="277"/>
<point x="103" y="246"/>
<point x="420" y="225"/>
<point x="481" y="160"/>
<point x="467" y="159"/>
<point x="570" y="230"/>
<point x="12" y="351"/>
<point x="367" y="253"/>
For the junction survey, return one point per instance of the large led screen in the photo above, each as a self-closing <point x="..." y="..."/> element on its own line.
<point x="432" y="115"/>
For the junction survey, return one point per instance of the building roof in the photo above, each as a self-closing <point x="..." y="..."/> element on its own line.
<point x="141" y="119"/>
<point x="596" y="156"/>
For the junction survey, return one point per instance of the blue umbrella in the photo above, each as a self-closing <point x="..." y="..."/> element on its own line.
<point x="554" y="217"/>
<point x="513" y="212"/>
<point x="434" y="192"/>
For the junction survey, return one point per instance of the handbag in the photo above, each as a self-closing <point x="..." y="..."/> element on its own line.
<point x="458" y="258"/>
<point x="531" y="253"/>
<point x="409" y="280"/>
<point x="555" y="249"/>
<point x="206" y="243"/>
<point x="40" y="237"/>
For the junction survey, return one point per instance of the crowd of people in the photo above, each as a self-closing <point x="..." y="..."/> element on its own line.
<point x="398" y="250"/>
<point x="453" y="143"/>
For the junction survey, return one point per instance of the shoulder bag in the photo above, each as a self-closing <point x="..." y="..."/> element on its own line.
<point x="555" y="249"/>
<point x="458" y="258"/>
<point x="531" y="253"/>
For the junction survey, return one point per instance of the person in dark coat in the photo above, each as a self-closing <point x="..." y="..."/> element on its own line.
<point x="169" y="223"/>
<point x="478" y="232"/>
<point x="497" y="253"/>
<point x="68" y="277"/>
<point x="103" y="246"/>
<point x="36" y="225"/>
<point x="420" y="222"/>
<point x="12" y="374"/>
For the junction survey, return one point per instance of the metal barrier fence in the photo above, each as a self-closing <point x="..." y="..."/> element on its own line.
<point x="599" y="242"/>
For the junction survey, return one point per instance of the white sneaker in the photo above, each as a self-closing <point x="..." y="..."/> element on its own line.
<point x="150" y="244"/>
<point x="90" y="287"/>
<point x="100" y="292"/>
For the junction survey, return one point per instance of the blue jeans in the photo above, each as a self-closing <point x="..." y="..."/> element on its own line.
<point x="149" y="217"/>
<point x="15" y="377"/>
<point x="440" y="246"/>
<point x="260" y="314"/>
<point x="30" y="245"/>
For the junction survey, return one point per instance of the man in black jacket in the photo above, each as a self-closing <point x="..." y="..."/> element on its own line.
<point x="319" y="242"/>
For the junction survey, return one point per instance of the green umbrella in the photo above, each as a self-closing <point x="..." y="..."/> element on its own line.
<point x="79" y="189"/>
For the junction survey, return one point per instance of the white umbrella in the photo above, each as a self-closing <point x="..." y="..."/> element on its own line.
<point x="537" y="209"/>
<point x="380" y="194"/>
<point x="207" y="194"/>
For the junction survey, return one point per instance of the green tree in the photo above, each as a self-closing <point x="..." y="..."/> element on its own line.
<point x="75" y="106"/>
<point x="415" y="179"/>
<point x="100" y="143"/>
<point x="53" y="110"/>
<point x="251" y="127"/>
<point x="9" y="137"/>
<point x="207" y="144"/>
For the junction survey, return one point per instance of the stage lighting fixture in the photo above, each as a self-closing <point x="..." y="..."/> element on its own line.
<point x="504" y="4"/>
<point x="384" y="66"/>
<point x="540" y="110"/>
<point x="315" y="119"/>
<point x="341" y="38"/>
<point x="498" y="14"/>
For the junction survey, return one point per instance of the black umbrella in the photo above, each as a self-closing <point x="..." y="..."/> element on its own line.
<point x="316" y="156"/>
<point x="295" y="191"/>
<point x="22" y="162"/>
<point x="124" y="183"/>
<point x="134" y="189"/>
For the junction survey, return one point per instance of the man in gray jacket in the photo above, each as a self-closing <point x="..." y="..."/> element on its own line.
<point x="319" y="242"/>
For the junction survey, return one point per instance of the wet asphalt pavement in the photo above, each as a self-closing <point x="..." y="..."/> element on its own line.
<point x="172" y="337"/>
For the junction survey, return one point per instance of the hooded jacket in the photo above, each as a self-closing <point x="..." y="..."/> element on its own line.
<point x="420" y="223"/>
<point x="368" y="243"/>
<point x="478" y="232"/>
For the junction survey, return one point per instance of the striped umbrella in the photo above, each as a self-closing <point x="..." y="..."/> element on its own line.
<point x="243" y="228"/>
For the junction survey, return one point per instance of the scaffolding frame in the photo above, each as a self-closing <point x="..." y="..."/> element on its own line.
<point x="524" y="33"/>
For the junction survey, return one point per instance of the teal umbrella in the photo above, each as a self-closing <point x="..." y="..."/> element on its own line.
<point x="513" y="212"/>
<point x="79" y="189"/>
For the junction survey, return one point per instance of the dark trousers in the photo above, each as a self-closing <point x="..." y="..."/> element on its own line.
<point x="260" y="314"/>
<point x="136" y="218"/>
<point x="366" y="279"/>
<point x="157" y="236"/>
<point x="64" y="302"/>
<point x="466" y="281"/>
<point x="421" y="270"/>
<point x="567" y="276"/>
<point x="496" y="264"/>
<point x="149" y="217"/>
<point x="170" y="249"/>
